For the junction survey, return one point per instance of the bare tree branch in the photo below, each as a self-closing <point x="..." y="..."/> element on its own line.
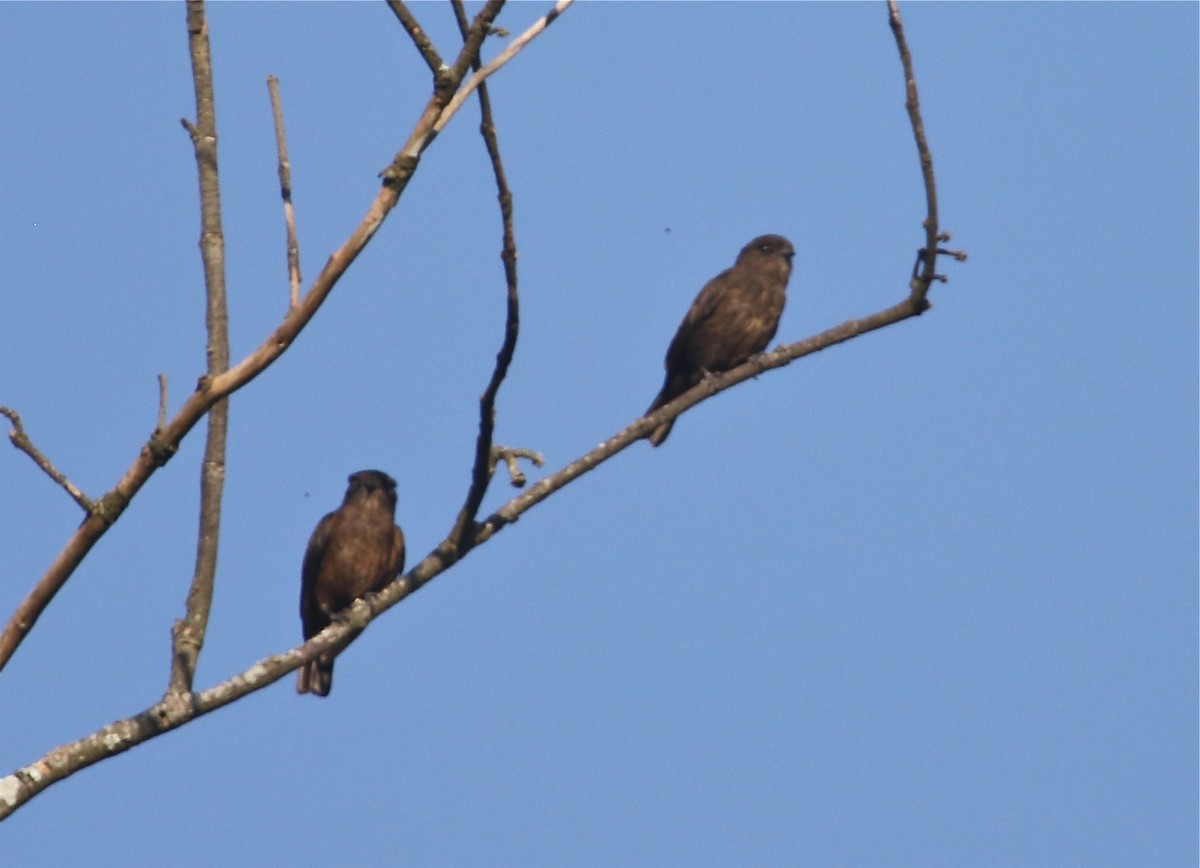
<point x="929" y="253"/>
<point x="509" y="456"/>
<point x="446" y="81"/>
<point x="188" y="633"/>
<point x="177" y="709"/>
<point x="21" y="440"/>
<point x="285" y="191"/>
<point x="484" y="464"/>
<point x="162" y="403"/>
<point x="514" y="48"/>
<point x="419" y="37"/>
<point x="211" y="389"/>
<point x="707" y="388"/>
<point x="173" y="712"/>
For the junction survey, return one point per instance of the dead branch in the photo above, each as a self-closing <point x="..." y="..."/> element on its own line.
<point x="177" y="709"/>
<point x="173" y="712"/>
<point x="419" y="37"/>
<point x="484" y="464"/>
<point x="514" y="48"/>
<point x="285" y="192"/>
<point x="446" y="81"/>
<point x="213" y="388"/>
<point x="21" y="440"/>
<point x="188" y="634"/>
<point x="928" y="255"/>
<point x="162" y="403"/>
<point x="509" y="455"/>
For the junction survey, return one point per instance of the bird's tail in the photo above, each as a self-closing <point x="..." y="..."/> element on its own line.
<point x="659" y="434"/>
<point x="665" y="396"/>
<point x="316" y="676"/>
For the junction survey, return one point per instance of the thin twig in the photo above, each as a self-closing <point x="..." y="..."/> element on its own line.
<point x="285" y="191"/>
<point x="920" y="284"/>
<point x="21" y="440"/>
<point x="188" y="633"/>
<point x="419" y="37"/>
<point x="509" y="455"/>
<point x="445" y="82"/>
<point x="484" y="463"/>
<point x="162" y="403"/>
<point x="514" y="48"/>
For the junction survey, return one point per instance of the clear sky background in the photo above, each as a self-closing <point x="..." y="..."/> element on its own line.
<point x="928" y="598"/>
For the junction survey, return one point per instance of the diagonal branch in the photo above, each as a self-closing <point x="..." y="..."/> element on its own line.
<point x="21" y="440"/>
<point x="188" y="633"/>
<point x="446" y="81"/>
<point x="419" y="37"/>
<point x="481" y="472"/>
<point x="514" y="48"/>
<point x="173" y="712"/>
<point x="446" y="100"/>
<point x="713" y="385"/>
<point x="212" y="388"/>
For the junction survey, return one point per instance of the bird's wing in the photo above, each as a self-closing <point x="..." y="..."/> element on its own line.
<point x="397" y="552"/>
<point x="313" y="555"/>
<point x="702" y="308"/>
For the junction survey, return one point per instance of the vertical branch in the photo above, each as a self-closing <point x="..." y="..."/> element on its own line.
<point x="920" y="284"/>
<point x="188" y="633"/>
<point x="162" y="404"/>
<point x="481" y="473"/>
<point x="285" y="191"/>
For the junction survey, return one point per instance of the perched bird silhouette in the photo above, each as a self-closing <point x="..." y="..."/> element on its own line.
<point x="733" y="318"/>
<point x="353" y="551"/>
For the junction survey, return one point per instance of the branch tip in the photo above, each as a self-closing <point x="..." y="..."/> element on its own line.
<point x="510" y="457"/>
<point x="162" y="403"/>
<point x="21" y="441"/>
<point x="482" y="72"/>
<point x="285" y="192"/>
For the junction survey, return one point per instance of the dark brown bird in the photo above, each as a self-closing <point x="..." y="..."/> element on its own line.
<point x="353" y="551"/>
<point x="733" y="318"/>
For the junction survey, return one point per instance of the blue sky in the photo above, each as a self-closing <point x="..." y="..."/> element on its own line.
<point x="927" y="598"/>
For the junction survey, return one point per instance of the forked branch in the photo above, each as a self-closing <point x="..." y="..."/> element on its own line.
<point x="175" y="710"/>
<point x="213" y="388"/>
<point x="418" y="36"/>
